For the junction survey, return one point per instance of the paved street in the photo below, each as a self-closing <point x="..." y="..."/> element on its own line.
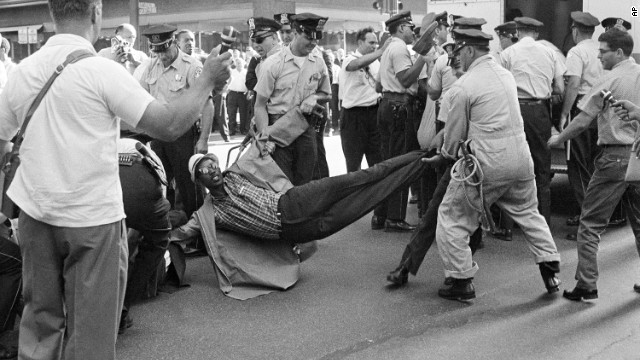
<point x="342" y="307"/>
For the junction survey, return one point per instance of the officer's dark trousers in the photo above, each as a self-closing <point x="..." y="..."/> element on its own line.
<point x="220" y="117"/>
<point x="323" y="207"/>
<point x="321" y="169"/>
<point x="10" y="283"/>
<point x="175" y="158"/>
<point x="393" y="124"/>
<point x="360" y="137"/>
<point x="298" y="160"/>
<point x="237" y="102"/>
<point x="424" y="235"/>
<point x="537" y="128"/>
<point x="147" y="211"/>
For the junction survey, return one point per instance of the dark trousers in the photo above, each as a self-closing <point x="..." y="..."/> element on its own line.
<point x="147" y="211"/>
<point x="237" y="102"/>
<point x="298" y="160"/>
<point x="10" y="283"/>
<point x="335" y="108"/>
<point x="424" y="235"/>
<point x="175" y="158"/>
<point x="321" y="169"/>
<point x="360" y="137"/>
<point x="537" y="128"/>
<point x="393" y="118"/>
<point x="219" y="116"/>
<point x="323" y="207"/>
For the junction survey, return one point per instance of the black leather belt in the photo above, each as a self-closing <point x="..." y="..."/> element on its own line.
<point x="611" y="146"/>
<point x="532" y="101"/>
<point x="397" y="96"/>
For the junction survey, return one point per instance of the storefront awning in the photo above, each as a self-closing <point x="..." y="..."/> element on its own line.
<point x="16" y="28"/>
<point x="5" y="4"/>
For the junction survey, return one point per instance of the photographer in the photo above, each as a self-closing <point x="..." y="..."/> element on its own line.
<point x="122" y="51"/>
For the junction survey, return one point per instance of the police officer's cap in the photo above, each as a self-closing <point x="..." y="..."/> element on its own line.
<point x="507" y="29"/>
<point x="440" y="18"/>
<point x="284" y="19"/>
<point x="262" y="27"/>
<point x="528" y="23"/>
<point x="400" y="18"/>
<point x="584" y="20"/>
<point x="310" y="24"/>
<point x="466" y="37"/>
<point x="469" y="23"/>
<point x="608" y="23"/>
<point x="160" y="36"/>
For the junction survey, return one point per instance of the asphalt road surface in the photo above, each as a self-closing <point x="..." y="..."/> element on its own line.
<point x="342" y="307"/>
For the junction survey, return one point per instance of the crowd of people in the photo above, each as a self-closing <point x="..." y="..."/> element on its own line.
<point x="432" y="110"/>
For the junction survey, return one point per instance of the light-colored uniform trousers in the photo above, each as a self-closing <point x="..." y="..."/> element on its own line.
<point x="74" y="286"/>
<point x="458" y="219"/>
<point x="606" y="188"/>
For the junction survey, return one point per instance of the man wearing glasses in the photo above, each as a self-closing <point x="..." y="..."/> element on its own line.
<point x="122" y="50"/>
<point x="615" y="136"/>
<point x="399" y="79"/>
<point x="295" y="76"/>
<point x="166" y="77"/>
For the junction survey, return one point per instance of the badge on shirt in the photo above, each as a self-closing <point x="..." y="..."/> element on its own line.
<point x="198" y="72"/>
<point x="178" y="77"/>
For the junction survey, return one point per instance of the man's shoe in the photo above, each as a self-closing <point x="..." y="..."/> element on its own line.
<point x="460" y="289"/>
<point x="548" y="270"/>
<point x="125" y="322"/>
<point x="578" y="294"/>
<point x="448" y="281"/>
<point x="571" y="236"/>
<point x="574" y="220"/>
<point x="503" y="234"/>
<point x="377" y="222"/>
<point x="617" y="222"/>
<point x="413" y="199"/>
<point x="636" y="288"/>
<point x="399" y="276"/>
<point x="397" y="226"/>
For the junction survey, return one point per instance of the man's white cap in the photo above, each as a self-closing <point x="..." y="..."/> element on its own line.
<point x="195" y="160"/>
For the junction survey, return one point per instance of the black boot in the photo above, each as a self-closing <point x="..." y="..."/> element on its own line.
<point x="400" y="275"/>
<point x="548" y="270"/>
<point x="460" y="289"/>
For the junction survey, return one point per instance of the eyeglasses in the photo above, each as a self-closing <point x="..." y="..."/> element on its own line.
<point x="259" y="40"/>
<point x="411" y="26"/>
<point x="604" y="51"/>
<point x="208" y="169"/>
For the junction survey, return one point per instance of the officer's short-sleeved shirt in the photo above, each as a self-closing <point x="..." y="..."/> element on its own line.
<point x="396" y="58"/>
<point x="358" y="88"/>
<point x="442" y="77"/>
<point x="166" y="84"/>
<point x="534" y="66"/>
<point x="583" y="62"/>
<point x="624" y="83"/>
<point x="69" y="166"/>
<point x="286" y="84"/>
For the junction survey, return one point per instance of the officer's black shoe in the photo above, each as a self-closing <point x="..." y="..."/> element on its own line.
<point x="397" y="226"/>
<point x="460" y="289"/>
<point x="125" y="322"/>
<point x="636" y="288"/>
<point x="377" y="222"/>
<point x="617" y="222"/>
<point x="578" y="294"/>
<point x="548" y="270"/>
<point x="503" y="234"/>
<point x="399" y="276"/>
<point x="571" y="236"/>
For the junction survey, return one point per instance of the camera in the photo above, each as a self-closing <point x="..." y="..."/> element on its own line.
<point x="608" y="97"/>
<point x="118" y="43"/>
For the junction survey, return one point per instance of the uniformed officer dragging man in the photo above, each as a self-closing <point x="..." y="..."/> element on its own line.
<point x="484" y="110"/>
<point x="296" y="76"/>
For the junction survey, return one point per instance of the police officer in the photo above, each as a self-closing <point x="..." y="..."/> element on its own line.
<point x="538" y="73"/>
<point x="286" y="32"/>
<point x="295" y="76"/>
<point x="507" y="34"/>
<point x="618" y="23"/>
<point x="399" y="81"/>
<point x="583" y="70"/>
<point x="263" y="33"/>
<point x="170" y="73"/>
<point x="484" y="110"/>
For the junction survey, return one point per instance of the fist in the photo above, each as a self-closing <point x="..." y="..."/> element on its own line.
<point x="217" y="68"/>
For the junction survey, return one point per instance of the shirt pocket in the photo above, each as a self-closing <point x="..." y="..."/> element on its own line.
<point x="282" y="88"/>
<point x="178" y="85"/>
